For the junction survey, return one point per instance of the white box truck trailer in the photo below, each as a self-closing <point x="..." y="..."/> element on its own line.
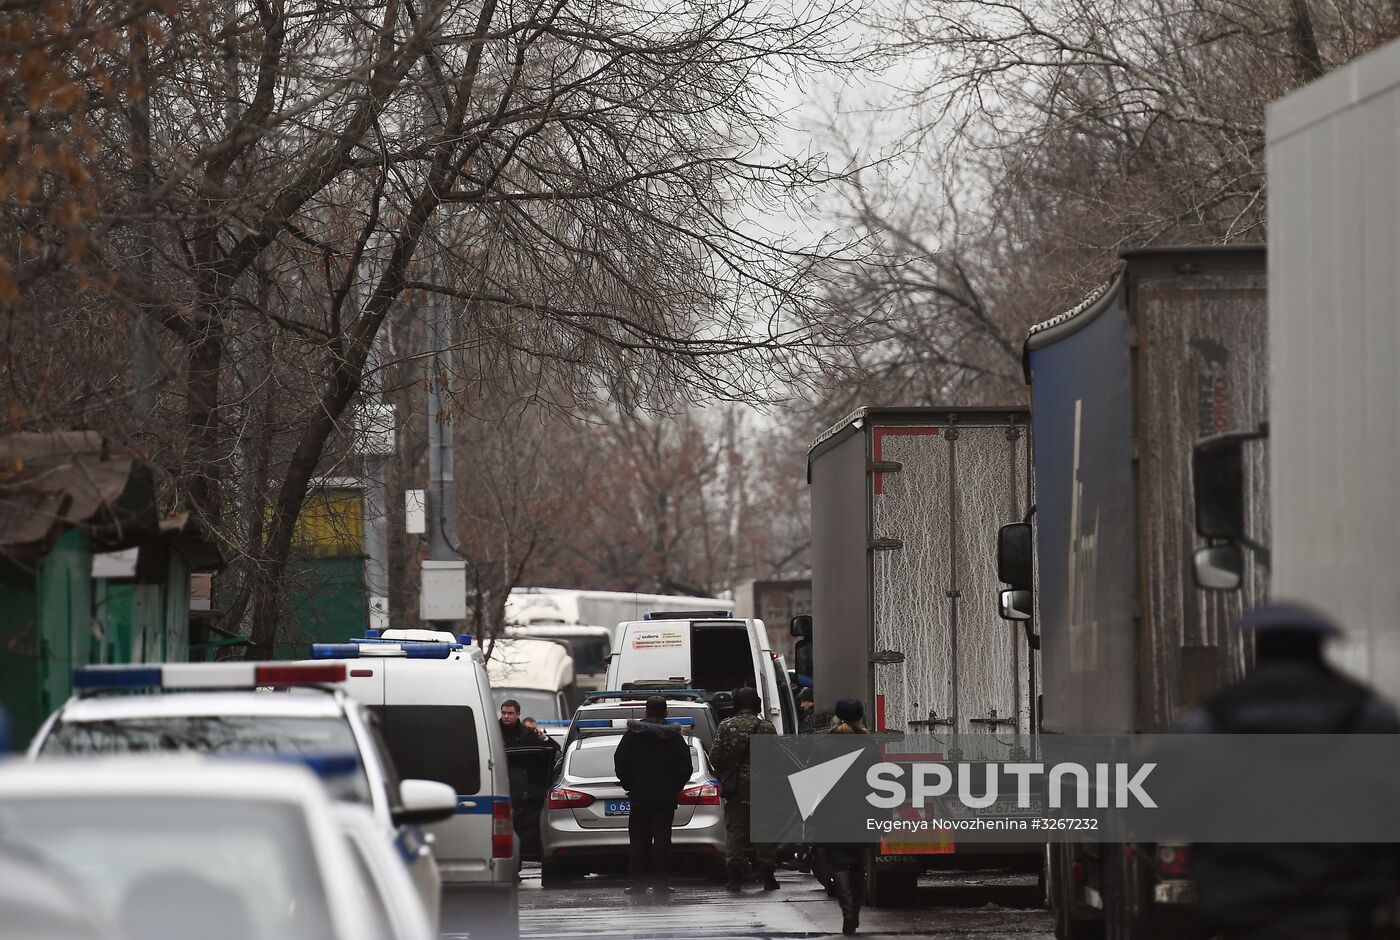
<point x="1334" y="340"/>
<point x="905" y="503"/>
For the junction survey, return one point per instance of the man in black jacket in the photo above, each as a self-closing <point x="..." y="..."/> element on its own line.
<point x="653" y="764"/>
<point x="1298" y="890"/>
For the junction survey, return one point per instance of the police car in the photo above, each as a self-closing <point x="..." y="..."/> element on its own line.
<point x="173" y="847"/>
<point x="585" y="824"/>
<point x="395" y="908"/>
<point x="215" y="708"/>
<point x="430" y="692"/>
<point x="618" y="706"/>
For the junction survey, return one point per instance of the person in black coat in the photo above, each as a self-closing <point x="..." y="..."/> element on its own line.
<point x="1294" y="890"/>
<point x="652" y="763"/>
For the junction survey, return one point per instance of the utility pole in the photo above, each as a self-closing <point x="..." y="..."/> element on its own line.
<point x="377" y="446"/>
<point x="443" y="597"/>
<point x="144" y="361"/>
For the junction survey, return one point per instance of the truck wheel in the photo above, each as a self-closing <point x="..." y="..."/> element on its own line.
<point x="1060" y="898"/>
<point x="892" y="888"/>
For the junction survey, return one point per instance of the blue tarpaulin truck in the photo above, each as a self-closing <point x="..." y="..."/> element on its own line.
<point x="1172" y="350"/>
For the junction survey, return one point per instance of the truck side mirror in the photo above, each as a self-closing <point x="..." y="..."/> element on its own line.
<point x="1219" y="567"/>
<point x="801" y="625"/>
<point x="1014" y="555"/>
<point x="1217" y="472"/>
<point x="1016" y="604"/>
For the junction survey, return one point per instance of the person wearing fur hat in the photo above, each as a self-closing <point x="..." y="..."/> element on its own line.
<point x="850" y="717"/>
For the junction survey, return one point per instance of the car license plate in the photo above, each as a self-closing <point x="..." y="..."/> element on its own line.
<point x="617" y="808"/>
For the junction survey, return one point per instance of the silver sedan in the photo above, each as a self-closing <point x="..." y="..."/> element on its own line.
<point x="584" y="825"/>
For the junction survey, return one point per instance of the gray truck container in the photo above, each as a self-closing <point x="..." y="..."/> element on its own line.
<point x="1173" y="350"/>
<point x="1122" y="387"/>
<point x="904" y="502"/>
<point x="1334" y="338"/>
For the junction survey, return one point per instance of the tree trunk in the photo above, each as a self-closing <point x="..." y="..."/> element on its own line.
<point x="206" y="356"/>
<point x="1306" y="50"/>
<point x="291" y="494"/>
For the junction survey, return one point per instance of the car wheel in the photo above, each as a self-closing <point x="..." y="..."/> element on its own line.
<point x="553" y="874"/>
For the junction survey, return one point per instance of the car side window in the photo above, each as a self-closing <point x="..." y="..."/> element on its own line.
<point x="434" y="742"/>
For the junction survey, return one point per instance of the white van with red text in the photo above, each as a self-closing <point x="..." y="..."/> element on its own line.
<point x="705" y="650"/>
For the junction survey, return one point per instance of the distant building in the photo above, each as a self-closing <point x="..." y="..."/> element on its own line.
<point x="89" y="572"/>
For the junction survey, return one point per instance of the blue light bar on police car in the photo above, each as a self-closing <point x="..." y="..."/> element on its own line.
<point x="204" y="676"/>
<point x="382" y="649"/>
<point x="599" y="724"/>
<point x="641" y="695"/>
<point x="689" y="615"/>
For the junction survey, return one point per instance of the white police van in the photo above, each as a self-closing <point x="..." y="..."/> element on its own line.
<point x="430" y="692"/>
<point x="215" y="708"/>
<point x="706" y="650"/>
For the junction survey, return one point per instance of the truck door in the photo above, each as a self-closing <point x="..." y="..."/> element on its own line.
<point x="991" y="466"/>
<point x="910" y="514"/>
<point x="959" y="668"/>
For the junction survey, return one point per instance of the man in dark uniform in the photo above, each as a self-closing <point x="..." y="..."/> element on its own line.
<point x="730" y="757"/>
<point x="512" y="729"/>
<point x="653" y="764"/>
<point x="1297" y="890"/>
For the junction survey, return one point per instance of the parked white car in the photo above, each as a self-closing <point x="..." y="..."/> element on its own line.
<point x="167" y="848"/>
<point x="395" y="907"/>
<point x="213" y="708"/>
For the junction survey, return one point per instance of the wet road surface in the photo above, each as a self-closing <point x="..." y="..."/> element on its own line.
<point x="952" y="904"/>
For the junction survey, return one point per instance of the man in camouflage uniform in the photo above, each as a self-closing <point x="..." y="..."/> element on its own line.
<point x="730" y="757"/>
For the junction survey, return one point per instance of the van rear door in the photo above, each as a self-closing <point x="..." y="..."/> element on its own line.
<point x="723" y="657"/>
<point x="659" y="650"/>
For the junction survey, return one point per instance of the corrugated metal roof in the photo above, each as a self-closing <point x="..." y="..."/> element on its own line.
<point x="1094" y="296"/>
<point x="838" y="427"/>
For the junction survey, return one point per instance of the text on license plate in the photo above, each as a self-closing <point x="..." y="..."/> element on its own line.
<point x="617" y="808"/>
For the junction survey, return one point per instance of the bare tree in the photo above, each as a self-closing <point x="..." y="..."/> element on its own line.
<point x="279" y="177"/>
<point x="1048" y="138"/>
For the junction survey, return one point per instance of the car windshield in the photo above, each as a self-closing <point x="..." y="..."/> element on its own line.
<point x="590" y="653"/>
<point x="239" y="869"/>
<point x="534" y="703"/>
<point x="220" y="734"/>
<point x="596" y="760"/>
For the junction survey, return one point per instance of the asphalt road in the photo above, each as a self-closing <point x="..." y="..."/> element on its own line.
<point x="982" y="904"/>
